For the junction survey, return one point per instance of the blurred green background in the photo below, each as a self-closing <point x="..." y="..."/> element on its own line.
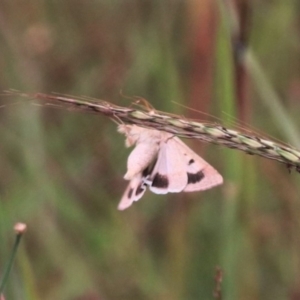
<point x="61" y="171"/>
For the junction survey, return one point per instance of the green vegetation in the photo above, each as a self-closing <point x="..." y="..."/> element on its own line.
<point x="61" y="171"/>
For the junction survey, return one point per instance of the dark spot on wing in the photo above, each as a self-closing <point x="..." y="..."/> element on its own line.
<point x="191" y="162"/>
<point x="146" y="172"/>
<point x="196" y="177"/>
<point x="160" y="181"/>
<point x="140" y="189"/>
<point x="130" y="193"/>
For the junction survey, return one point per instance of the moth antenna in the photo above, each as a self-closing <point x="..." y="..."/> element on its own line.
<point x="144" y="103"/>
<point x="198" y="111"/>
<point x="139" y="101"/>
<point x="124" y="96"/>
<point x="127" y="97"/>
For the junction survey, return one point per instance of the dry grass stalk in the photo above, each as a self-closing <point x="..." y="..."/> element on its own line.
<point x="179" y="126"/>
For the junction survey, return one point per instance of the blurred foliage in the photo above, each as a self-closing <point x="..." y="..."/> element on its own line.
<point x="61" y="171"/>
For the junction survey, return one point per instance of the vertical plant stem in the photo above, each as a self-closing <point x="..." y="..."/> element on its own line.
<point x="10" y="263"/>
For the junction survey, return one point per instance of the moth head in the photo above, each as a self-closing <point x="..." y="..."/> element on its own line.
<point x="131" y="132"/>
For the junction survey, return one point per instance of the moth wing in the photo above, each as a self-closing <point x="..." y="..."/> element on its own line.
<point x="169" y="173"/>
<point x="135" y="190"/>
<point x="201" y="175"/>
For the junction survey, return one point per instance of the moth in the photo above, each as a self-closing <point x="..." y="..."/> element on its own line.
<point x="164" y="164"/>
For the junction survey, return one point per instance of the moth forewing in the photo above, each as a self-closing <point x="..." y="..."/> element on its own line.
<point x="206" y="179"/>
<point x="169" y="173"/>
<point x="179" y="168"/>
<point x="159" y="179"/>
<point x="201" y="175"/>
<point x="134" y="191"/>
